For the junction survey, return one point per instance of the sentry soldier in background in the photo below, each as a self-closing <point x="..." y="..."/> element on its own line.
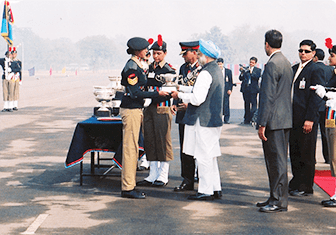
<point x="157" y="121"/>
<point x="134" y="79"/>
<point x="17" y="66"/>
<point x="7" y="82"/>
<point x="189" y="70"/>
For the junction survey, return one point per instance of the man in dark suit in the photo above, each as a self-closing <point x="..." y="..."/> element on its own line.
<point x="250" y="88"/>
<point x="275" y="121"/>
<point x="328" y="73"/>
<point x="227" y="73"/>
<point x="305" y="120"/>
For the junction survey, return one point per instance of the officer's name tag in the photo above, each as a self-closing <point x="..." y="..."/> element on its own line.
<point x="302" y="84"/>
<point x="330" y="123"/>
<point x="151" y="75"/>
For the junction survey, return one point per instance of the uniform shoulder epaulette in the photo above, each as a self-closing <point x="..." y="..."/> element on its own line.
<point x="171" y="66"/>
<point x="131" y="64"/>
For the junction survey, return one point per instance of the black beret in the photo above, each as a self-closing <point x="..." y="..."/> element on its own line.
<point x="220" y="60"/>
<point x="332" y="50"/>
<point x="137" y="43"/>
<point x="156" y="46"/>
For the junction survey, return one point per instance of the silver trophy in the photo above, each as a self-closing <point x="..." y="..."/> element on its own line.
<point x="115" y="85"/>
<point x="169" y="81"/>
<point x="103" y="95"/>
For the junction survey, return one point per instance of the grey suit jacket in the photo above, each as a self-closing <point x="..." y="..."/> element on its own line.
<point x="275" y="104"/>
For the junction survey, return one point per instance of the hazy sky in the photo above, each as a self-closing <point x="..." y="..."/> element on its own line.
<point x="174" y="19"/>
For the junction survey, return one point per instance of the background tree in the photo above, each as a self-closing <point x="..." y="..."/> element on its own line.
<point x="221" y="40"/>
<point x="99" y="50"/>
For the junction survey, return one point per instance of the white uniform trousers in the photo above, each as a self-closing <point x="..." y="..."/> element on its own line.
<point x="158" y="171"/>
<point x="203" y="143"/>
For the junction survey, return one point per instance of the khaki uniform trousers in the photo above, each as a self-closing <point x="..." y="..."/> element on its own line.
<point x="16" y="89"/>
<point x="131" y="119"/>
<point x="8" y="89"/>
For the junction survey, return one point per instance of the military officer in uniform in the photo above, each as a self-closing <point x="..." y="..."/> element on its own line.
<point x="7" y="82"/>
<point x="134" y="79"/>
<point x="189" y="71"/>
<point x="157" y="121"/>
<point x="17" y="78"/>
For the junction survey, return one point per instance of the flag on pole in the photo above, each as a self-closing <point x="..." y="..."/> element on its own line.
<point x="50" y="71"/>
<point x="31" y="71"/>
<point x="7" y="21"/>
<point x="63" y="70"/>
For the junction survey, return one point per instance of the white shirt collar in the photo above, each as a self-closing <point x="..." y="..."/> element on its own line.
<point x="275" y="52"/>
<point x="305" y="63"/>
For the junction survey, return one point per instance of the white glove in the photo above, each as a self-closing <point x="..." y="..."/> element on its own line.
<point x="148" y="101"/>
<point x="331" y="103"/>
<point x="20" y="82"/>
<point x="331" y="95"/>
<point x="320" y="91"/>
<point x="9" y="69"/>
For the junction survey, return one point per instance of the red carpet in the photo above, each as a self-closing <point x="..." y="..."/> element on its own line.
<point x="325" y="181"/>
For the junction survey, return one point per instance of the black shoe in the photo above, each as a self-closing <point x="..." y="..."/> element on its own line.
<point x="4" y="110"/>
<point x="226" y="123"/>
<point x="217" y="194"/>
<point x="142" y="168"/>
<point x="184" y="187"/>
<point x="262" y="204"/>
<point x="201" y="197"/>
<point x="133" y="194"/>
<point x="272" y="208"/>
<point x="298" y="193"/>
<point x="329" y="203"/>
<point x="9" y="110"/>
<point x="15" y="109"/>
<point x="158" y="183"/>
<point x="144" y="183"/>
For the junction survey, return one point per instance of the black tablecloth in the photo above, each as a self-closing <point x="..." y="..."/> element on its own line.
<point x="93" y="135"/>
<point x="100" y="136"/>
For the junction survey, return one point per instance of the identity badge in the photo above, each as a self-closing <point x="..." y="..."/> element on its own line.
<point x="151" y="75"/>
<point x="302" y="84"/>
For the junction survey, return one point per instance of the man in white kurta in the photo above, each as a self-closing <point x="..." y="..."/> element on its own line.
<point x="201" y="139"/>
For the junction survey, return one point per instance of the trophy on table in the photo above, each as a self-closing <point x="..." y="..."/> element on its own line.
<point x="109" y="98"/>
<point x="103" y="95"/>
<point x="115" y="84"/>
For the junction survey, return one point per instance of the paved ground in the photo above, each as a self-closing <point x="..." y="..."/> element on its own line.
<point x="39" y="196"/>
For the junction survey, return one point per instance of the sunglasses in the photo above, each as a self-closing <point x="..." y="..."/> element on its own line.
<point x="305" y="51"/>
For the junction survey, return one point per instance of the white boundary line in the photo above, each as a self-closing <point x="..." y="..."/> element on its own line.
<point x="36" y="224"/>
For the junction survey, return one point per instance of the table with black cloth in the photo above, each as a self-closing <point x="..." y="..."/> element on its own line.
<point x="93" y="136"/>
<point x="97" y="136"/>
